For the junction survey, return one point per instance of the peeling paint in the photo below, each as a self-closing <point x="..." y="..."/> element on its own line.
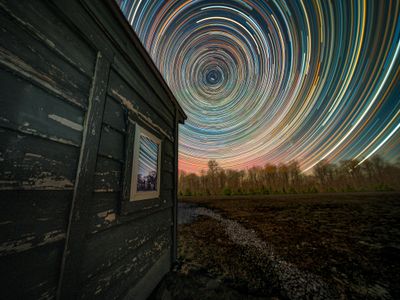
<point x="103" y="190"/>
<point x="97" y="291"/>
<point x="24" y="127"/>
<point x="16" y="246"/>
<point x="31" y="241"/>
<point x="53" y="236"/>
<point x="33" y="155"/>
<point x="31" y="131"/>
<point x="107" y="173"/>
<point x="42" y="37"/>
<point x="108" y="216"/>
<point x="66" y="122"/>
<point x="43" y="219"/>
<point x="4" y="120"/>
<point x="53" y="181"/>
<point x="6" y="222"/>
<point x="49" y="294"/>
<point x="128" y="104"/>
<point x="5" y="183"/>
<point x="48" y="183"/>
<point x="151" y="206"/>
<point x="15" y="63"/>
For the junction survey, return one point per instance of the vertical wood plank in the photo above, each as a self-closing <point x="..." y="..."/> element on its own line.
<point x="174" y="247"/>
<point x="129" y="145"/>
<point x="69" y="283"/>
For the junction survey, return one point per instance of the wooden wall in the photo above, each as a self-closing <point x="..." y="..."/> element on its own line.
<point x="73" y="81"/>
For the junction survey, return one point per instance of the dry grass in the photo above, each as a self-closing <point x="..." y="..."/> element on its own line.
<point x="350" y="241"/>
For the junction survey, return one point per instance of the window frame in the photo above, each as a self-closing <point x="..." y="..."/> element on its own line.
<point x="134" y="195"/>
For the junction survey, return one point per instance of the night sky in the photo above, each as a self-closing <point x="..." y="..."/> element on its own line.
<point x="274" y="81"/>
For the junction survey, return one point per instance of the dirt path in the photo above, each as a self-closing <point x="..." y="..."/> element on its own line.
<point x="295" y="284"/>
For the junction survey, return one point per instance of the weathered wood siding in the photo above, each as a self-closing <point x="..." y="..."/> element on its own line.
<point x="130" y="242"/>
<point x="72" y="80"/>
<point x="43" y="100"/>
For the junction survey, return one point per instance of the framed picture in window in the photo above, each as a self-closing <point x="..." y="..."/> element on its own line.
<point x="145" y="179"/>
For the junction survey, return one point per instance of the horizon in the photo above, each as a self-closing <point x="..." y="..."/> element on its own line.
<point x="309" y="172"/>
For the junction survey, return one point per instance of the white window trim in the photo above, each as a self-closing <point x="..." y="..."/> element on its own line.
<point x="135" y="195"/>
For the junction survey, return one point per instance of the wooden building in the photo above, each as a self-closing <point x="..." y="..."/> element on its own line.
<point x="88" y="155"/>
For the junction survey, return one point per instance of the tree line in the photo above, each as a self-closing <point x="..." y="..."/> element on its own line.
<point x="374" y="174"/>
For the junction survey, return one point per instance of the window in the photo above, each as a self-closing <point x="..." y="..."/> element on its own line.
<point x="145" y="180"/>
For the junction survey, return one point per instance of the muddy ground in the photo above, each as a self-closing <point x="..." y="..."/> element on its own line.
<point x="332" y="246"/>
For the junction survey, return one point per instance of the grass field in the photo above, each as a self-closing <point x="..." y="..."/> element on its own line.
<point x="344" y="246"/>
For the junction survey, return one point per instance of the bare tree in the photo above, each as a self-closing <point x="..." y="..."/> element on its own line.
<point x="212" y="173"/>
<point x="348" y="175"/>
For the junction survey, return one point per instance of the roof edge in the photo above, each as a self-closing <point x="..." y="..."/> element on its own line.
<point x="114" y="8"/>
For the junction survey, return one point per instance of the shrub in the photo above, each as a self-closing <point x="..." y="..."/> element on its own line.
<point x="227" y="191"/>
<point x="188" y="192"/>
<point x="383" y="187"/>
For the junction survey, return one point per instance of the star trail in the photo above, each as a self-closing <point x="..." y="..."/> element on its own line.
<point x="275" y="81"/>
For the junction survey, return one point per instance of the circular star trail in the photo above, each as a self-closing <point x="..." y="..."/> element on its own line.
<point x="274" y="81"/>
